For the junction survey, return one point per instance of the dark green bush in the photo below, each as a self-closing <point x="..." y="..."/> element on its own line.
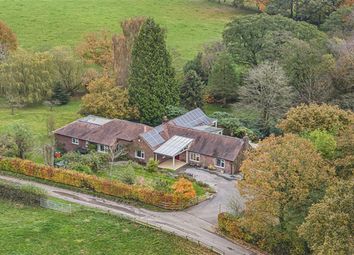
<point x="27" y="194"/>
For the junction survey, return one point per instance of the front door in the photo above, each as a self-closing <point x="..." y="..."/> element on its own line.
<point x="177" y="157"/>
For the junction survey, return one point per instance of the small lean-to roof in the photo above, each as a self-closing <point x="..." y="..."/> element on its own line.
<point x="174" y="146"/>
<point x="208" y="129"/>
<point x="193" y="118"/>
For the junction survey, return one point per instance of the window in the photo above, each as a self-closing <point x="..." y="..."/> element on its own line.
<point x="102" y="148"/>
<point x="75" y="141"/>
<point x="194" y="157"/>
<point x="140" y="154"/>
<point x="220" y="163"/>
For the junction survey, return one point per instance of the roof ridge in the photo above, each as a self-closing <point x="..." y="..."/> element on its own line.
<point x="205" y="132"/>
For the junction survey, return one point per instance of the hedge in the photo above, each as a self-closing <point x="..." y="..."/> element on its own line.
<point x="94" y="183"/>
<point x="230" y="226"/>
<point x="23" y="194"/>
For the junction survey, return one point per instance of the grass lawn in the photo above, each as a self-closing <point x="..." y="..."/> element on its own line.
<point x="28" y="230"/>
<point x="36" y="119"/>
<point x="143" y="177"/>
<point x="42" y="24"/>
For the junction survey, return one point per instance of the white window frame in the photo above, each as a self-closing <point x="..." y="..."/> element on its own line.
<point x="102" y="148"/>
<point x="142" y="154"/>
<point x="195" y="157"/>
<point x="222" y="163"/>
<point x="75" y="141"/>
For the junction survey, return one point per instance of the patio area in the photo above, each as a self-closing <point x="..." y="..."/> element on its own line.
<point x="168" y="164"/>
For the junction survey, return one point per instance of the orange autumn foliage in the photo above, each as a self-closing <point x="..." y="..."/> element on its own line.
<point x="96" y="184"/>
<point x="7" y="37"/>
<point x="184" y="188"/>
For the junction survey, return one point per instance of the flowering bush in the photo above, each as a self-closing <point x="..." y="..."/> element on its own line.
<point x="97" y="184"/>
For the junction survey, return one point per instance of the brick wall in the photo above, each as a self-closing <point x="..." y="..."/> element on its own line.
<point x="65" y="143"/>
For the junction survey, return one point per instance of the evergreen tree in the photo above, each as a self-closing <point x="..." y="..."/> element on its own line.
<point x="223" y="81"/>
<point x="191" y="91"/>
<point x="197" y="66"/>
<point x="152" y="83"/>
<point x="59" y="94"/>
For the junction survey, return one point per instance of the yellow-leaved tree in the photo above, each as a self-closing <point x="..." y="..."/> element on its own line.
<point x="105" y="99"/>
<point x="329" y="225"/>
<point x="283" y="177"/>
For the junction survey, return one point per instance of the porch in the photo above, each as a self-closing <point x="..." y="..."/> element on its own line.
<point x="169" y="164"/>
<point x="175" y="149"/>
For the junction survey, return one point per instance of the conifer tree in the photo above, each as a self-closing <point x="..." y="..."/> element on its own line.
<point x="59" y="94"/>
<point x="191" y="91"/>
<point x="152" y="83"/>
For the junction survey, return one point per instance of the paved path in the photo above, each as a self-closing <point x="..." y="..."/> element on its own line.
<point x="185" y="224"/>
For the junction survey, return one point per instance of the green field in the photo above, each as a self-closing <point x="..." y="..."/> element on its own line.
<point x="42" y="24"/>
<point x="27" y="230"/>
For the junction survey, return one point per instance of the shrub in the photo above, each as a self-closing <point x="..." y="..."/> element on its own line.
<point x="152" y="165"/>
<point x="127" y="175"/>
<point x="230" y="226"/>
<point x="27" y="194"/>
<point x="184" y="188"/>
<point x="87" y="163"/>
<point x="162" y="185"/>
<point x="94" y="183"/>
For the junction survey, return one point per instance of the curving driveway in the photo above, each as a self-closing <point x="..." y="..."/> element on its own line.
<point x="225" y="192"/>
<point x="197" y="223"/>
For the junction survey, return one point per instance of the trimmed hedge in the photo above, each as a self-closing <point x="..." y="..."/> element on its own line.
<point x="94" y="183"/>
<point x="23" y="194"/>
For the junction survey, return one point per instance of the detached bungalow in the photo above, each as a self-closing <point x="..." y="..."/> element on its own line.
<point x="192" y="138"/>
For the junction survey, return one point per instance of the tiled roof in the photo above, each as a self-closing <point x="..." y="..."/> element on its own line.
<point x="106" y="133"/>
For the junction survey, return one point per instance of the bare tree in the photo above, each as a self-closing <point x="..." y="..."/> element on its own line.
<point x="116" y="152"/>
<point x="268" y="91"/>
<point x="122" y="47"/>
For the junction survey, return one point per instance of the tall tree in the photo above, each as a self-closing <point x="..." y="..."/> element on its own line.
<point x="105" y="99"/>
<point x="340" y="23"/>
<point x="196" y="66"/>
<point x="192" y="90"/>
<point x="309" y="70"/>
<point x="152" y="83"/>
<point x="267" y="90"/>
<point x="96" y="48"/>
<point x="26" y="78"/>
<point x="283" y="177"/>
<point x="223" y="82"/>
<point x="69" y="69"/>
<point x="246" y="37"/>
<point x="308" y="118"/>
<point x="343" y="74"/>
<point x="328" y="228"/>
<point x="122" y="48"/>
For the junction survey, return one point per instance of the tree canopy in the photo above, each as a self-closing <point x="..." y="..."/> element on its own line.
<point x="282" y="178"/>
<point x="8" y="38"/>
<point x="246" y="37"/>
<point x="152" y="83"/>
<point x="328" y="227"/>
<point x="105" y="99"/>
<point x="307" y="118"/>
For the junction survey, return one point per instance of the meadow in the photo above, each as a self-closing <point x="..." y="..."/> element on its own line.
<point x="29" y="230"/>
<point x="42" y="24"/>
